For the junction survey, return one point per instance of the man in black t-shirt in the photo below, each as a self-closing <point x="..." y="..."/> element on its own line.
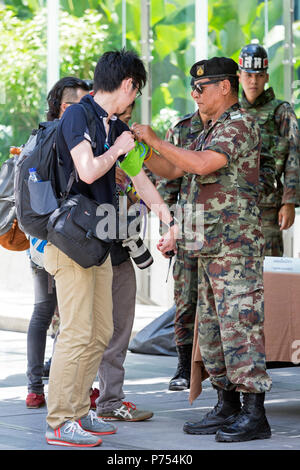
<point x="111" y="403"/>
<point x="85" y="295"/>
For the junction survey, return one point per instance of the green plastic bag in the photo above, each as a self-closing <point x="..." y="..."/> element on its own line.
<point x="133" y="162"/>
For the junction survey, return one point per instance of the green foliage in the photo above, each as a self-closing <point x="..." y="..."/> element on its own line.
<point x="23" y="72"/>
<point x="24" y="9"/>
<point x="78" y="8"/>
<point x="82" y="41"/>
<point x="164" y="120"/>
<point x="23" y="66"/>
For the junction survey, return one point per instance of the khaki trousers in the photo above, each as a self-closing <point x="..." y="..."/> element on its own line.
<point x="111" y="372"/>
<point x="84" y="299"/>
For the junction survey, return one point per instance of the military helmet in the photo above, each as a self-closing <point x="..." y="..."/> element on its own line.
<point x="253" y="59"/>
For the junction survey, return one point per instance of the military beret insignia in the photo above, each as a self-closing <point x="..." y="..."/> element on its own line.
<point x="200" y="71"/>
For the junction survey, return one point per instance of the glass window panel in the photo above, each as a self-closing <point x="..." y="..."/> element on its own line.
<point x="173" y="52"/>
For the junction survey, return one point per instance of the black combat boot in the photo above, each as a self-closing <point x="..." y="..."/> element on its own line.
<point x="225" y="411"/>
<point x="181" y="379"/>
<point x="251" y="423"/>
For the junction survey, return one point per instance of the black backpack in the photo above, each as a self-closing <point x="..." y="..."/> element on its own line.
<point x="34" y="203"/>
<point x="7" y="202"/>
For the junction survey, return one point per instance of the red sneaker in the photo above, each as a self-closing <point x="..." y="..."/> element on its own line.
<point x="34" y="400"/>
<point x="94" y="394"/>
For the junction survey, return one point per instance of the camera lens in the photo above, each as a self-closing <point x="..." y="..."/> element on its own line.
<point x="138" y="252"/>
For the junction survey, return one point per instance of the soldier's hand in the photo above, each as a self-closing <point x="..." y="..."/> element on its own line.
<point x="286" y="216"/>
<point x="144" y="133"/>
<point x="168" y="242"/>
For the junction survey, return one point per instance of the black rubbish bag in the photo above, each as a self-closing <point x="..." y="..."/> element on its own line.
<point x="156" y="338"/>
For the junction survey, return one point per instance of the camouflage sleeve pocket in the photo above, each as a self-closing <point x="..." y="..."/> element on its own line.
<point x="207" y="179"/>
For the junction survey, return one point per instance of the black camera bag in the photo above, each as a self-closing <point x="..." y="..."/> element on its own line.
<point x="72" y="229"/>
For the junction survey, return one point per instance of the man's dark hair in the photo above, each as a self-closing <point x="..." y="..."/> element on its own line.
<point x="114" y="66"/>
<point x="65" y="89"/>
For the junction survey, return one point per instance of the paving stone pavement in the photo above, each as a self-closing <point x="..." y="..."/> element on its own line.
<point x="146" y="385"/>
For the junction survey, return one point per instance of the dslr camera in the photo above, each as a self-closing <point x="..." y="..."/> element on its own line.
<point x="138" y="251"/>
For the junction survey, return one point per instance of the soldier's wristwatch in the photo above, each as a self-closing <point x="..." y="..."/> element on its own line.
<point x="173" y="222"/>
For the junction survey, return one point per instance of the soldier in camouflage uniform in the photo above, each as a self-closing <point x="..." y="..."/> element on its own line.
<point x="182" y="134"/>
<point x="280" y="139"/>
<point x="225" y="163"/>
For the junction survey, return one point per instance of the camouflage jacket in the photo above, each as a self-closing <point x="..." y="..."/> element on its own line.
<point x="229" y="196"/>
<point x="281" y="140"/>
<point x="182" y="134"/>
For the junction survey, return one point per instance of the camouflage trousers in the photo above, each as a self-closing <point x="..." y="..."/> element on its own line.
<point x="185" y="275"/>
<point x="230" y="313"/>
<point x="271" y="232"/>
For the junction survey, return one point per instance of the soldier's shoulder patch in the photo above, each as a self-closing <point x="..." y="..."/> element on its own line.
<point x="236" y="115"/>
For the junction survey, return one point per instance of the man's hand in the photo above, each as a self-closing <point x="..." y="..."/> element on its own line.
<point x="124" y="143"/>
<point x="286" y="216"/>
<point x="145" y="134"/>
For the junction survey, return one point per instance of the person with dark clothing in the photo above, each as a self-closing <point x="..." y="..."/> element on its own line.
<point x="110" y="403"/>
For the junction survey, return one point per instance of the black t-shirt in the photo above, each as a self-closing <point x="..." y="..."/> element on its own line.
<point x="73" y="129"/>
